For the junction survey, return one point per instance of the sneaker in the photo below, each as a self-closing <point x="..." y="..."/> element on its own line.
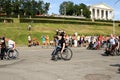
<point x="53" y="58"/>
<point x="58" y="58"/>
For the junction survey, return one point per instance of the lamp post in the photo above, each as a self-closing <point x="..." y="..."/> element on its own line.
<point x="113" y="27"/>
<point x="64" y="9"/>
<point x="81" y="12"/>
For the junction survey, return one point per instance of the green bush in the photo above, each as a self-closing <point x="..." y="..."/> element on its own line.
<point x="6" y="20"/>
<point x="62" y="18"/>
<point x="62" y="22"/>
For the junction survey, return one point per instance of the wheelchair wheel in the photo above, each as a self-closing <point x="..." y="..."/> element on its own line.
<point x="67" y="54"/>
<point x="12" y="54"/>
<point x="118" y="52"/>
<point x="113" y="53"/>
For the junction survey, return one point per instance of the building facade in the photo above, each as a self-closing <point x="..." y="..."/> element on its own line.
<point x="101" y="12"/>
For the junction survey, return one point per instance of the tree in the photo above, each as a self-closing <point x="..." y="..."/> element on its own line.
<point x="76" y="10"/>
<point x="85" y="9"/>
<point x="24" y="7"/>
<point x="39" y="7"/>
<point x="7" y="6"/>
<point x="68" y="8"/>
<point x="63" y="7"/>
<point x="46" y="8"/>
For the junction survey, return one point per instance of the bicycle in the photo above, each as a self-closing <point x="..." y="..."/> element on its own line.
<point x="11" y="54"/>
<point x="66" y="55"/>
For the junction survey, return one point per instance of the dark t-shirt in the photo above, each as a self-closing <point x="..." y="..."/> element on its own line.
<point x="61" y="42"/>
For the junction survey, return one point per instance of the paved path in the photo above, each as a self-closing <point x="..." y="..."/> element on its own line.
<point x="34" y="64"/>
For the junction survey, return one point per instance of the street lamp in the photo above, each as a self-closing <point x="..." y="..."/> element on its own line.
<point x="64" y="9"/>
<point x="113" y="25"/>
<point x="81" y="12"/>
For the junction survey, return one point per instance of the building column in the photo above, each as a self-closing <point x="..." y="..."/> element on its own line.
<point x="109" y="15"/>
<point x="95" y="13"/>
<point x="91" y="10"/>
<point x="100" y="15"/>
<point x="105" y="14"/>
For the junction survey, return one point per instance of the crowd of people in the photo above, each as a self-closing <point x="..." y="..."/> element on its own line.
<point x="35" y="42"/>
<point x="109" y="42"/>
<point x="32" y="41"/>
<point x="75" y="40"/>
<point x="90" y="42"/>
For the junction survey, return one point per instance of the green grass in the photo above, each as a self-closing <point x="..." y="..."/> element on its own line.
<point x="18" y="31"/>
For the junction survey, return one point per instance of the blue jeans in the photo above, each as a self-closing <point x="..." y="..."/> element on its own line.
<point x="58" y="48"/>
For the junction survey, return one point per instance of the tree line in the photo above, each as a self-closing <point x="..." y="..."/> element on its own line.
<point x="69" y="8"/>
<point x="23" y="7"/>
<point x="39" y="7"/>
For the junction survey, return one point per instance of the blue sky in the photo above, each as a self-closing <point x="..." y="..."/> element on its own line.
<point x="54" y="5"/>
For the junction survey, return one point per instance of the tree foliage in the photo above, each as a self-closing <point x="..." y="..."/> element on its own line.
<point x="24" y="7"/>
<point x="69" y="8"/>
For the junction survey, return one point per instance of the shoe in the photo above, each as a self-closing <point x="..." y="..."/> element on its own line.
<point x="53" y="58"/>
<point x="58" y="58"/>
<point x="1" y="58"/>
<point x="13" y="57"/>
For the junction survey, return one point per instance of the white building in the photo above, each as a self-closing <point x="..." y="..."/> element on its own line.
<point x="101" y="11"/>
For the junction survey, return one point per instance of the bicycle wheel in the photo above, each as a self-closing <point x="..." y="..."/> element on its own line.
<point x="113" y="53"/>
<point x="67" y="54"/>
<point x="12" y="53"/>
<point x="117" y="52"/>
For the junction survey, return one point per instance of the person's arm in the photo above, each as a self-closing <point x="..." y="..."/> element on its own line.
<point x="63" y="48"/>
<point x="14" y="46"/>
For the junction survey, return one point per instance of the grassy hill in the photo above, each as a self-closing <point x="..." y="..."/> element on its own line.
<point x="18" y="31"/>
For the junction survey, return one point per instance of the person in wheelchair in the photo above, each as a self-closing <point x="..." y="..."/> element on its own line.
<point x="61" y="45"/>
<point x="111" y="45"/>
<point x="11" y="44"/>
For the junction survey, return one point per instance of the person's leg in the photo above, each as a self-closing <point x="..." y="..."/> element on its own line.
<point x="2" y="53"/>
<point x="54" y="53"/>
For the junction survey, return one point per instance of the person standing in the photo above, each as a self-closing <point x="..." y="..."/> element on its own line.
<point x="3" y="48"/>
<point x="29" y="27"/>
<point x="47" y="40"/>
<point x="29" y="41"/>
<point x="43" y="41"/>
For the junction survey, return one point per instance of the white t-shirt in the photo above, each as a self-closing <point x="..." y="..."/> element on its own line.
<point x="29" y="38"/>
<point x="10" y="44"/>
<point x="112" y="41"/>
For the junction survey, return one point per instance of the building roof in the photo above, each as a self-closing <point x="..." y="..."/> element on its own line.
<point x="102" y="6"/>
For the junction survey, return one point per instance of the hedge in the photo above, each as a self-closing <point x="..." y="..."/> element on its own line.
<point x="63" y="22"/>
<point x="65" y="18"/>
<point x="6" y="20"/>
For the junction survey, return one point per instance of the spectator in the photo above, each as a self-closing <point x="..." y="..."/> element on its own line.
<point x="47" y="39"/>
<point x="43" y="41"/>
<point x="35" y="42"/>
<point x="29" y="41"/>
<point x="29" y="27"/>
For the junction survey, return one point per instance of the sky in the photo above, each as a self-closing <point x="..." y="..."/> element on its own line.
<point x="115" y="4"/>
